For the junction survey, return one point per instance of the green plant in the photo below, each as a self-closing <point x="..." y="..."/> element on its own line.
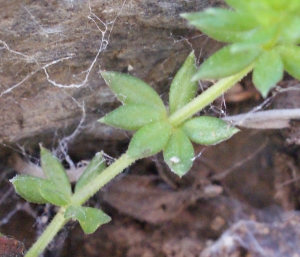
<point x="263" y="32"/>
<point x="264" y="35"/>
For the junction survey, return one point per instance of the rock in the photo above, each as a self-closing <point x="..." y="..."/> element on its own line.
<point x="52" y="51"/>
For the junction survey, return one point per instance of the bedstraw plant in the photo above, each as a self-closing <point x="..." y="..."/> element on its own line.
<point x="262" y="36"/>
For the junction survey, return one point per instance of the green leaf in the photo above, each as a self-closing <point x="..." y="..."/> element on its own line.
<point x="37" y="190"/>
<point x="183" y="89"/>
<point x="294" y="6"/>
<point x="94" y="168"/>
<point x="290" y="56"/>
<point x="131" y="90"/>
<point x="133" y="116"/>
<point x="277" y="4"/>
<point x="53" y="194"/>
<point x="28" y="187"/>
<point x="179" y="153"/>
<point x="89" y="218"/>
<point x="239" y="5"/>
<point x="226" y="62"/>
<point x="260" y="39"/>
<point x="222" y="25"/>
<point x="290" y="30"/>
<point x="150" y="139"/>
<point x="268" y="71"/>
<point x="241" y="24"/>
<point x="55" y="172"/>
<point x="208" y="130"/>
<point x="263" y="13"/>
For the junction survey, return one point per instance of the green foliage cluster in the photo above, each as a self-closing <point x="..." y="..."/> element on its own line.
<point x="144" y="111"/>
<point x="266" y="32"/>
<point x="56" y="189"/>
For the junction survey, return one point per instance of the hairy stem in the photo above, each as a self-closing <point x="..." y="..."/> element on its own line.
<point x="207" y="97"/>
<point x="56" y="224"/>
<point x="102" y="179"/>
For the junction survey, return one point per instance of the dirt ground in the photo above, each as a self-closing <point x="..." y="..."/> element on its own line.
<point x="239" y="199"/>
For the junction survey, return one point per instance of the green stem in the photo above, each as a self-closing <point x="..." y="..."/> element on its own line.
<point x="207" y="97"/>
<point x="56" y="224"/>
<point x="102" y="179"/>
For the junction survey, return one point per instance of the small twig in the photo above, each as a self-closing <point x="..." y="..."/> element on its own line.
<point x="287" y="182"/>
<point x="271" y="119"/>
<point x="295" y="171"/>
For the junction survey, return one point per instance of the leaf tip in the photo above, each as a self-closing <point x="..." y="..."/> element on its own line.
<point x="44" y="151"/>
<point x="235" y="130"/>
<point x="106" y="75"/>
<point x="184" y="15"/>
<point x="41" y="146"/>
<point x="264" y="93"/>
<point x="192" y="57"/>
<point x="12" y="180"/>
<point x="102" y="120"/>
<point x="103" y="72"/>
